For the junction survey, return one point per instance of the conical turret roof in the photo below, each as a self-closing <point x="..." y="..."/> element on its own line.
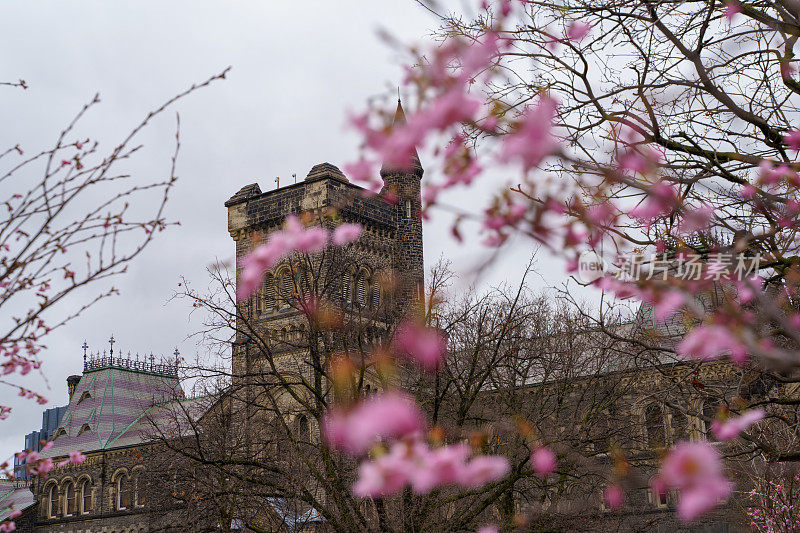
<point x="398" y="122"/>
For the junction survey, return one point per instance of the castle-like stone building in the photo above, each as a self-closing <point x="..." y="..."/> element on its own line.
<point x="121" y="408"/>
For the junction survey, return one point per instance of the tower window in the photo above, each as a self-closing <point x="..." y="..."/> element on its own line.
<point x="408" y="208"/>
<point x="361" y="289"/>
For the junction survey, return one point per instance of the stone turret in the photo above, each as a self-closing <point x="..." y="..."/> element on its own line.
<point x="405" y="182"/>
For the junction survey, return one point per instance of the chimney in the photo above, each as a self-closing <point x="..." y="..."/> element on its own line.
<point x="72" y="384"/>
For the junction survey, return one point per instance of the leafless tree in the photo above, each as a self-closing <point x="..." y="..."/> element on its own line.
<point x="72" y="219"/>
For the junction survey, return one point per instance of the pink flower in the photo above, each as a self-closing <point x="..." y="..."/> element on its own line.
<point x="426" y="346"/>
<point x="76" y="458"/>
<point x="577" y="30"/>
<point x="384" y="476"/>
<point x="667" y="304"/>
<point x="695" y="501"/>
<point x="8" y="526"/>
<point x="480" y="54"/>
<point x="311" y="240"/>
<point x="601" y="214"/>
<point x="792" y="139"/>
<point x="346" y="233"/>
<point x="364" y="171"/>
<point x="731" y="428"/>
<point x="385" y="416"/>
<point x="543" y="461"/>
<point x="732" y="8"/>
<point x="439" y="467"/>
<point x="42" y="467"/>
<point x="484" y="469"/>
<point x="533" y="140"/>
<point x="695" y="469"/>
<point x="614" y="496"/>
<point x="696" y="218"/>
<point x="293" y="237"/>
<point x="488" y="529"/>
<point x="661" y="199"/>
<point x="710" y="342"/>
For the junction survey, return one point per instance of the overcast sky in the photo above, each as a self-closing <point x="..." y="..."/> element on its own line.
<point x="298" y="67"/>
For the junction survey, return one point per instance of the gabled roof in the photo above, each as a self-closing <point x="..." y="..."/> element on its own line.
<point x="113" y="407"/>
<point x="14" y="497"/>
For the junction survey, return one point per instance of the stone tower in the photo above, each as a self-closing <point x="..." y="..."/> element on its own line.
<point x="404" y="182"/>
<point x="377" y="282"/>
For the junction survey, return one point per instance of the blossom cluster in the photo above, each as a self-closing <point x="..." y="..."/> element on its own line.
<point x="294" y="237"/>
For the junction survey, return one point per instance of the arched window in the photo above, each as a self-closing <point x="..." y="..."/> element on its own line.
<point x="408" y="209"/>
<point x="123" y="496"/>
<point x="52" y="501"/>
<point x="654" y="422"/>
<point x="269" y="293"/>
<point x="361" y="289"/>
<point x="680" y="426"/>
<point x="375" y="302"/>
<point x="84" y="396"/>
<point x="287" y="286"/>
<point x="346" y="288"/>
<point x="69" y="499"/>
<point x="302" y="428"/>
<point x="138" y="490"/>
<point x="710" y="408"/>
<point x="85" y="495"/>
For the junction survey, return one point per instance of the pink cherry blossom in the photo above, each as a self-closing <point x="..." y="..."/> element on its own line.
<point x="543" y="461"/>
<point x="75" y="458"/>
<point x="533" y="140"/>
<point x="695" y="469"/>
<point x="480" y="55"/>
<point x="711" y="342"/>
<point x="421" y="344"/>
<point x="792" y="139"/>
<point x="8" y="526"/>
<point x="362" y="171"/>
<point x="311" y="240"/>
<point x="346" y="233"/>
<point x="614" y="496"/>
<point x="577" y="30"/>
<point x="41" y="467"/>
<point x="666" y="304"/>
<point x="439" y="467"/>
<point x="488" y="529"/>
<point x="731" y="428"/>
<point x="385" y="416"/>
<point x="732" y="8"/>
<point x="696" y="219"/>
<point x="484" y="469"/>
<point x="294" y="236"/>
<point x="697" y="500"/>
<point x="384" y="476"/>
<point x="660" y="200"/>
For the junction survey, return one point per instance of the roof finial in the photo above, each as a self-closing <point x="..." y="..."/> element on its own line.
<point x="111" y="341"/>
<point x="398" y="94"/>
<point x="85" y="347"/>
<point x="177" y="355"/>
